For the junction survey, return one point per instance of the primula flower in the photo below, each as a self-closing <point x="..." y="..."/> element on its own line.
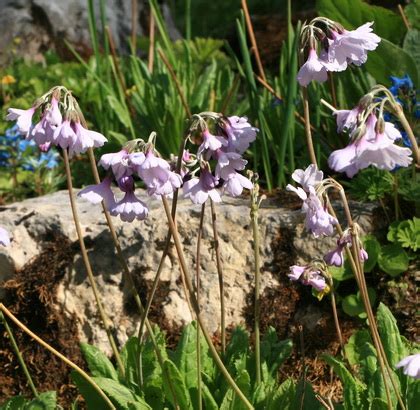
<point x="228" y="163"/>
<point x="240" y="134"/>
<point x="235" y="184"/>
<point x="98" y="193"/>
<point x="347" y="119"/>
<point x="312" y="69"/>
<point x="122" y="163"/>
<point x="85" y="139"/>
<point x="411" y="365"/>
<point x="130" y="208"/>
<point x="211" y="143"/>
<point x="352" y="46"/>
<point x="372" y="148"/>
<point x="157" y="175"/>
<point x="200" y="189"/>
<point x="4" y="237"/>
<point x="335" y="257"/>
<point x="310" y="177"/>
<point x="308" y="276"/>
<point x="23" y="118"/>
<point x="42" y="132"/>
<point x="64" y="135"/>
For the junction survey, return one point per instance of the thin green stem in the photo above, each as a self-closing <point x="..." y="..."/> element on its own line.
<point x="102" y="313"/>
<point x="220" y="276"/>
<point x="193" y="299"/>
<point x="197" y="290"/>
<point x="19" y="355"/>
<point x="336" y="321"/>
<point x="58" y="354"/>
<point x="308" y="132"/>
<point x="129" y="277"/>
<point x="257" y="279"/>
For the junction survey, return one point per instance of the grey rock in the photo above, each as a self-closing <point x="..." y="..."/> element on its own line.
<point x="283" y="242"/>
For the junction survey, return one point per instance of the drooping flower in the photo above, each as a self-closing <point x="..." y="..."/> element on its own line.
<point x="130" y="208"/>
<point x="235" y="183"/>
<point x="228" y="163"/>
<point x="335" y="257"/>
<point x="4" y="237"/>
<point x="157" y="175"/>
<point x="347" y="119"/>
<point x="23" y="118"/>
<point x="352" y="46"/>
<point x="202" y="188"/>
<point x="240" y="134"/>
<point x="64" y="135"/>
<point x="410" y="365"/>
<point x="311" y="176"/>
<point x="99" y="192"/>
<point x="121" y="162"/>
<point x="312" y="69"/>
<point x="308" y="276"/>
<point x="85" y="139"/>
<point x="211" y="143"/>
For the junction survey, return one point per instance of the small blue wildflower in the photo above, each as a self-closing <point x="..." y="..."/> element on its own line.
<point x="400" y="83"/>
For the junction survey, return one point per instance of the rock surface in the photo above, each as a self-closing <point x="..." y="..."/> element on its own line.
<point x="31" y="27"/>
<point x="34" y="222"/>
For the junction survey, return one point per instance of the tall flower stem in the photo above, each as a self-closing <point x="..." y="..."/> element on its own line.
<point x="102" y="313"/>
<point x="220" y="276"/>
<point x="19" y="355"/>
<point x="308" y="132"/>
<point x="336" y="321"/>
<point x="129" y="276"/>
<point x="197" y="290"/>
<point x="257" y="279"/>
<point x="58" y="354"/>
<point x="193" y="299"/>
<point x="357" y="268"/>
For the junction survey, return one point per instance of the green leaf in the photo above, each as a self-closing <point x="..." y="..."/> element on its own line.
<point x="354" y="344"/>
<point x="120" y="110"/>
<point x="14" y="403"/>
<point x="353" y="304"/>
<point x="305" y="397"/>
<point x="118" y="137"/>
<point x="373" y="248"/>
<point x="231" y="401"/>
<point x="393" y="259"/>
<point x="394" y="347"/>
<point x="408" y="234"/>
<point x="176" y="384"/>
<point x="283" y="397"/>
<point x="208" y="399"/>
<point x="237" y="347"/>
<point x="45" y="401"/>
<point x="352" y="387"/>
<point x="377" y="387"/>
<point x="378" y="404"/>
<point x="354" y="13"/>
<point x="92" y="398"/>
<point x="412" y="11"/>
<point x="411" y="45"/>
<point x="99" y="365"/>
<point x="392" y="232"/>
<point x="378" y="63"/>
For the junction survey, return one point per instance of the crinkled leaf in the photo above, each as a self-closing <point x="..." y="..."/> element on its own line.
<point x="283" y="397"/>
<point x="175" y="385"/>
<point x="394" y="347"/>
<point x="378" y="404"/>
<point x="99" y="365"/>
<point x="411" y="45"/>
<point x="352" y="386"/>
<point x="393" y="259"/>
<point x="412" y="11"/>
<point x="377" y="386"/>
<point x="44" y="401"/>
<point x="14" y="403"/>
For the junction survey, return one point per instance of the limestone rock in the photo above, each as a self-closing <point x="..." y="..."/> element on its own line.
<point x="284" y="241"/>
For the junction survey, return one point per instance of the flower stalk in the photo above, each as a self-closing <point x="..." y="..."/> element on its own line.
<point x="102" y="313"/>
<point x="19" y="355"/>
<point x="194" y="303"/>
<point x="58" y="354"/>
<point x="220" y="276"/>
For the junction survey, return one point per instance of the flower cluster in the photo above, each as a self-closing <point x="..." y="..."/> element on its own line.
<point x="338" y="48"/>
<point x="317" y="218"/>
<point x="59" y="123"/>
<point x="309" y="276"/>
<point x="224" y="150"/>
<point x="372" y="139"/>
<point x="411" y="365"/>
<point x="136" y="159"/>
<point x="4" y="237"/>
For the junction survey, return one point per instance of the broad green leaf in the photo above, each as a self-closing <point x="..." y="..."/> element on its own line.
<point x="412" y="11"/>
<point x="378" y="404"/>
<point x="14" y="403"/>
<point x="411" y="46"/>
<point x="393" y="259"/>
<point x="208" y="399"/>
<point x="402" y="63"/>
<point x="352" y="387"/>
<point x="305" y="397"/>
<point x="373" y="248"/>
<point x="354" y="345"/>
<point x="354" y="13"/>
<point x="237" y="347"/>
<point x="353" y="304"/>
<point x="283" y="397"/>
<point x="413" y="393"/>
<point x="341" y="273"/>
<point x="175" y="385"/>
<point x="92" y="398"/>
<point x="231" y="401"/>
<point x="120" y="395"/>
<point x="394" y="347"/>
<point x="99" y="365"/>
<point x="45" y="401"/>
<point x="377" y="387"/>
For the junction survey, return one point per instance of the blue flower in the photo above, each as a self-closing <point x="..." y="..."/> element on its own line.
<point x="400" y="83"/>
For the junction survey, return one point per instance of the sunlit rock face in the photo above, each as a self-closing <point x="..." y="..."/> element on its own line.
<point x="35" y="222"/>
